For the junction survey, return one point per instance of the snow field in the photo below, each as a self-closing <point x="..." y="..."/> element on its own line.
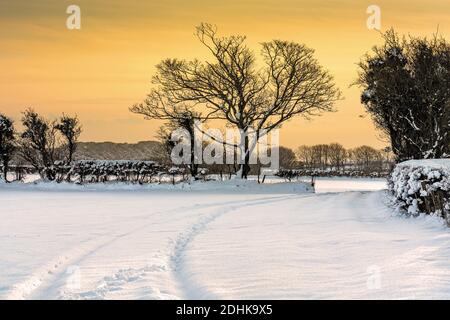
<point x="207" y="241"/>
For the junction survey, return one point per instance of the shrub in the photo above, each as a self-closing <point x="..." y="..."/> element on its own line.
<point x="422" y="186"/>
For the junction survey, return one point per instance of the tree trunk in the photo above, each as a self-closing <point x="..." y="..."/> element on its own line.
<point x="244" y="169"/>
<point x="5" y="170"/>
<point x="193" y="167"/>
<point x="71" y="152"/>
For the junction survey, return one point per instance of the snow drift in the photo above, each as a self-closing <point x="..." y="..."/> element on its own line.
<point x="234" y="186"/>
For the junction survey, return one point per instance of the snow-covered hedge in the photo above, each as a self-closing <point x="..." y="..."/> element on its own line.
<point x="423" y="186"/>
<point x="105" y="170"/>
<point x="290" y="174"/>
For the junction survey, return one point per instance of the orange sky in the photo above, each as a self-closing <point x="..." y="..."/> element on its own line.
<point x="102" y="69"/>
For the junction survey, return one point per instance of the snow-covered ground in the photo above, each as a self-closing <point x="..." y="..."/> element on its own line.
<point x="208" y="241"/>
<point x="341" y="184"/>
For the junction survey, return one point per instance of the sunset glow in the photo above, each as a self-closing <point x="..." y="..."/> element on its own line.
<point x="98" y="72"/>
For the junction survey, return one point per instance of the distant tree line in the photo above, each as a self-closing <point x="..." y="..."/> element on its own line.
<point x="325" y="160"/>
<point x="334" y="157"/>
<point x="322" y="159"/>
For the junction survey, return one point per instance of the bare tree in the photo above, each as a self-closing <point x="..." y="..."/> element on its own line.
<point x="164" y="137"/>
<point x="7" y="143"/>
<point x="305" y="156"/>
<point x="367" y="158"/>
<point x="70" y="129"/>
<point x="320" y="155"/>
<point x="38" y="143"/>
<point x="337" y="155"/>
<point x="254" y="99"/>
<point x="176" y="116"/>
<point x="185" y="121"/>
<point x="287" y="157"/>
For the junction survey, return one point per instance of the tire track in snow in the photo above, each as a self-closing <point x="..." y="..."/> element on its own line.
<point x="188" y="289"/>
<point x="52" y="274"/>
<point x="118" y="281"/>
<point x="51" y="277"/>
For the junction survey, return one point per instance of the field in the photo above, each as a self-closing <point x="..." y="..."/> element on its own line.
<point x="218" y="240"/>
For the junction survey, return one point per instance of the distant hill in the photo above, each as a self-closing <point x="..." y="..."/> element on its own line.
<point x="144" y="150"/>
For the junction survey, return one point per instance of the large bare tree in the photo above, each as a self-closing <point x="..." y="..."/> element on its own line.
<point x="253" y="97"/>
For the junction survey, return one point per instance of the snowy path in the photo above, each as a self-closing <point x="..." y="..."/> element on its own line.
<point x="344" y="245"/>
<point x="172" y="245"/>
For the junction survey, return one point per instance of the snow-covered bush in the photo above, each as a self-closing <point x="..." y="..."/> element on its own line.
<point x="422" y="186"/>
